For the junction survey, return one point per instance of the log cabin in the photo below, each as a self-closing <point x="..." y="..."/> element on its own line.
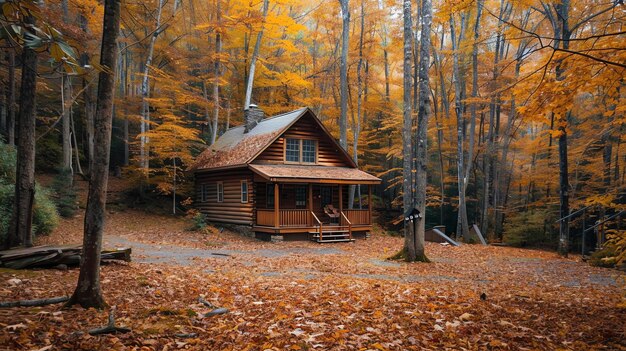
<point x="284" y="176"/>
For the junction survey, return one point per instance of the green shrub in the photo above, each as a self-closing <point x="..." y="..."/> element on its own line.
<point x="45" y="215"/>
<point x="199" y="221"/>
<point x="526" y="229"/>
<point x="65" y="193"/>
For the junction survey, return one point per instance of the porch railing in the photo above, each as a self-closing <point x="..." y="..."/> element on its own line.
<point x="265" y="217"/>
<point x="358" y="217"/>
<point x="303" y="218"/>
<point x="294" y="218"/>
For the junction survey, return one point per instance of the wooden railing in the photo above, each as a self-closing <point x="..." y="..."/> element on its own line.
<point x="344" y="221"/>
<point x="265" y="217"/>
<point x="294" y="218"/>
<point x="318" y="223"/>
<point x="358" y="217"/>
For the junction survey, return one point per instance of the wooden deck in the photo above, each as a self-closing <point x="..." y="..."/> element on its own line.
<point x="292" y="221"/>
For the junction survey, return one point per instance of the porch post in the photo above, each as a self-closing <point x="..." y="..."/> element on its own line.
<point x="340" y="198"/>
<point x="310" y="186"/>
<point x="369" y="203"/>
<point x="276" y="205"/>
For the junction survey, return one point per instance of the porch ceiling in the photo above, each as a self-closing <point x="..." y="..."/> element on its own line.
<point x="313" y="174"/>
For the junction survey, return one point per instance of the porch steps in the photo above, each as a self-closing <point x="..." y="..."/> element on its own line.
<point x="331" y="236"/>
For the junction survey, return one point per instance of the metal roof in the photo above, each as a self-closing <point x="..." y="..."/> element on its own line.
<point x="236" y="148"/>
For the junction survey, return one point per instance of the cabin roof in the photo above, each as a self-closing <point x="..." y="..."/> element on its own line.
<point x="321" y="174"/>
<point x="236" y="148"/>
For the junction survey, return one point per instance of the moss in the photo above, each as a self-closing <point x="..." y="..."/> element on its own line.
<point x="605" y="257"/>
<point x="402" y="255"/>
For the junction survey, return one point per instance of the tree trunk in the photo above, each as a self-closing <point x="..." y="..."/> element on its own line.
<point x="462" y="227"/>
<point x="423" y="115"/>
<point x="66" y="102"/>
<point x="343" y="73"/>
<point x="407" y="183"/>
<point x="11" y="108"/>
<point x="356" y="125"/>
<point x="145" y="94"/>
<point x="255" y="56"/>
<point x="88" y="293"/>
<point x="21" y="224"/>
<point x="216" y="72"/>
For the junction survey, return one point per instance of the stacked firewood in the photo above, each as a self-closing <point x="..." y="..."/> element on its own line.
<point x="52" y="256"/>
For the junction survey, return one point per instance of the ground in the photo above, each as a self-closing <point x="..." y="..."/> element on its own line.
<point x="304" y="295"/>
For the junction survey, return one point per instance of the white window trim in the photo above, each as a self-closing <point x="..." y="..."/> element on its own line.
<point x="218" y="186"/>
<point x="247" y="191"/>
<point x="301" y="152"/>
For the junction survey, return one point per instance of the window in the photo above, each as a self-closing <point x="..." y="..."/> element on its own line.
<point x="292" y="151"/>
<point x="220" y="192"/>
<point x="269" y="195"/>
<point x="204" y="192"/>
<point x="300" y="151"/>
<point x="308" y="151"/>
<point x="300" y="196"/>
<point x="326" y="195"/>
<point x="244" y="191"/>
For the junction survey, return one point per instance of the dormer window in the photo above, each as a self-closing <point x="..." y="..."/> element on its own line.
<point x="300" y="151"/>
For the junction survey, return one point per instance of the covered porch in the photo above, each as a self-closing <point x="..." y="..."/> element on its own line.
<point x="313" y="204"/>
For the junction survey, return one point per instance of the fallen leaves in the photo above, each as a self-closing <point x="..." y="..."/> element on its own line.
<point x="302" y="296"/>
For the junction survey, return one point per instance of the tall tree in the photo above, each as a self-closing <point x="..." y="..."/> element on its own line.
<point x="423" y="114"/>
<point x="88" y="292"/>
<point x="21" y="223"/>
<point x="216" y="71"/>
<point x="343" y="73"/>
<point x="407" y="114"/>
<point x="255" y="56"/>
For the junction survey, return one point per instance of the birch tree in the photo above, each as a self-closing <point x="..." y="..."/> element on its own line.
<point x="255" y="56"/>
<point x="343" y="73"/>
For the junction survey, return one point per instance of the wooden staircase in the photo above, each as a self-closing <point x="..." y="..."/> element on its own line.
<point x="331" y="233"/>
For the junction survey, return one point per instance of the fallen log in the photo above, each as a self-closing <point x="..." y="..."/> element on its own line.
<point x="33" y="303"/>
<point x="51" y="256"/>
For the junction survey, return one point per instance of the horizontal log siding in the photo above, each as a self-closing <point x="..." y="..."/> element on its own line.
<point x="231" y="210"/>
<point x="305" y="128"/>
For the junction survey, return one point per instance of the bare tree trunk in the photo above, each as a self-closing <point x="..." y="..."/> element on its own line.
<point x="144" y="153"/>
<point x="423" y="115"/>
<point x="343" y="73"/>
<point x="462" y="227"/>
<point x="11" y="108"/>
<point x="88" y="292"/>
<point x="255" y="56"/>
<point x="66" y="102"/>
<point x="407" y="148"/>
<point x="21" y="222"/>
<point x="356" y="125"/>
<point x="216" y="72"/>
<point x="472" y="132"/>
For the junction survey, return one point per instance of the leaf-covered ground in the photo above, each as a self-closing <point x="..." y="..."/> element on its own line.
<point x="302" y="295"/>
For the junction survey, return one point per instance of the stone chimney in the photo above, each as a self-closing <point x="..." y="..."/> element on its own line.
<point x="252" y="116"/>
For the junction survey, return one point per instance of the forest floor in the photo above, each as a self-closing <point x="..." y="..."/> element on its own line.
<point x="303" y="295"/>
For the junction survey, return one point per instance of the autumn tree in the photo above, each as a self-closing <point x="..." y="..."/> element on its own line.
<point x="88" y="292"/>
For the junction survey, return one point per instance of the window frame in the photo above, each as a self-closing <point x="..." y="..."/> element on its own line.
<point x="219" y="191"/>
<point x="269" y="192"/>
<point x="247" y="192"/>
<point x="204" y="192"/>
<point x="301" y="151"/>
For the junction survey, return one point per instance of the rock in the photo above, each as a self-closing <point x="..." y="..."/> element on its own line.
<point x="14" y="281"/>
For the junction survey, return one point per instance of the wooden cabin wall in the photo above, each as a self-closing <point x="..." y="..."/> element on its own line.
<point x="231" y="210"/>
<point x="305" y="128"/>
